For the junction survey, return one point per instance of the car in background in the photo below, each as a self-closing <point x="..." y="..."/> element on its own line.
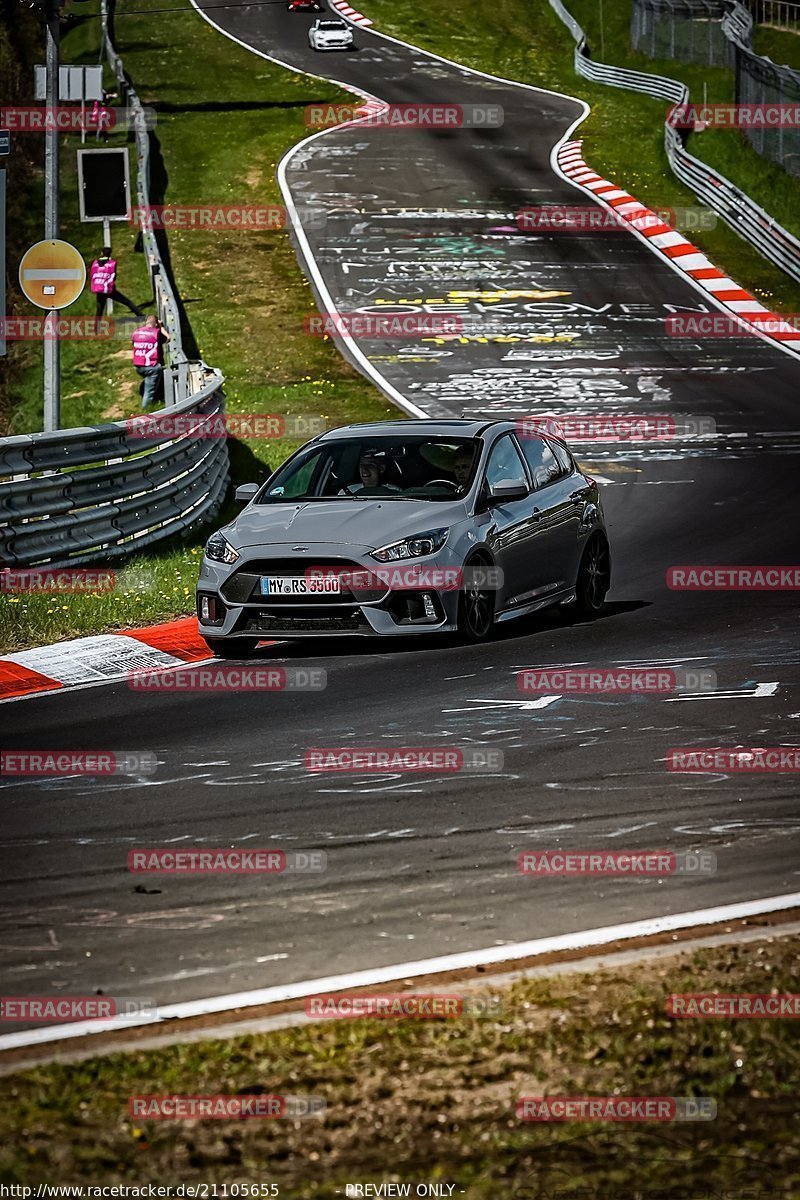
<point x="329" y="34"/>
<point x="307" y="6"/>
<point x="406" y="528"/>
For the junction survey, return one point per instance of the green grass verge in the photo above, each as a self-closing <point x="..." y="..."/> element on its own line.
<point x="780" y="45"/>
<point x="623" y="135"/>
<point x="422" y="1101"/>
<point x="221" y="128"/>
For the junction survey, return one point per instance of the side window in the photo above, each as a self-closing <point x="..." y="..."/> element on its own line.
<point x="298" y="482"/>
<point x="504" y="463"/>
<point x="564" y="457"/>
<point x="542" y="462"/>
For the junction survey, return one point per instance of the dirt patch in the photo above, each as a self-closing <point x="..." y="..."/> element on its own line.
<point x="435" y="1100"/>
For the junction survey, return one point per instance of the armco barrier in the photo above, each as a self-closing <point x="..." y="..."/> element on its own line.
<point x="736" y="208"/>
<point x="87" y="495"/>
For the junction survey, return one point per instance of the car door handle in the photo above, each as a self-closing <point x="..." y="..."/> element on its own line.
<point x="579" y="496"/>
<point x="536" y="515"/>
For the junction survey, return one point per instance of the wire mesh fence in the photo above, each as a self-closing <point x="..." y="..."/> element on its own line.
<point x="778" y="13"/>
<point x="719" y="33"/>
<point x="734" y="206"/>
<point x="760" y="82"/>
<point x="682" y="31"/>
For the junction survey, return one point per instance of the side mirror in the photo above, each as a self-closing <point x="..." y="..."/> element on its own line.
<point x="245" y="492"/>
<point x="506" y="490"/>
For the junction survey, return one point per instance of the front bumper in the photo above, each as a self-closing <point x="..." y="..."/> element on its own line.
<point x="229" y="603"/>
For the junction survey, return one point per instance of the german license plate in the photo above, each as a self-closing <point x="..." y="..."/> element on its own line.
<point x="300" y="585"/>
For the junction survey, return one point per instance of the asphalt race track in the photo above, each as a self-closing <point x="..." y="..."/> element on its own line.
<point x="420" y="867"/>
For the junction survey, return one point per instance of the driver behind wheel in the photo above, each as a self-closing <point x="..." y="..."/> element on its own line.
<point x="371" y="476"/>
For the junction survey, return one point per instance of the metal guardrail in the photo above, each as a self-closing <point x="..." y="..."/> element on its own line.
<point x="166" y="304"/>
<point x="84" y="495"/>
<point x="734" y="206"/>
<point x="100" y="493"/>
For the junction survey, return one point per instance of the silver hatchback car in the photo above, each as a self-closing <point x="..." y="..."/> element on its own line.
<point x="406" y="527"/>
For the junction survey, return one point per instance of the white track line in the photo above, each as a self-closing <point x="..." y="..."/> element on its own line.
<point x="556" y="167"/>
<point x="592" y="937"/>
<point x="371" y="371"/>
<point x="423" y="967"/>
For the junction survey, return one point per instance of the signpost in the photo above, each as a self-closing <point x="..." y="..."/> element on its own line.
<point x="52" y="350"/>
<point x="74" y="83"/>
<point x="104" y="187"/>
<point x="104" y="190"/>
<point x="52" y="274"/>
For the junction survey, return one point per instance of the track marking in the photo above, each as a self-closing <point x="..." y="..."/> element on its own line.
<point x="366" y="366"/>
<point x="519" y="705"/>
<point x="566" y="160"/>
<point x="422" y="967"/>
<point x="758" y="692"/>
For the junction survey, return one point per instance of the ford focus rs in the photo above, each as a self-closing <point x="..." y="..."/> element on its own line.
<point x="403" y="528"/>
<point x="330" y="35"/>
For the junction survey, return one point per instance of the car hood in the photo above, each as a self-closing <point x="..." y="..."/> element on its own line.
<point x="367" y="523"/>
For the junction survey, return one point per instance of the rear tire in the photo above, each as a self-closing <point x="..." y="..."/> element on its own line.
<point x="594" y="577"/>
<point x="476" y="607"/>
<point x="232" y="647"/>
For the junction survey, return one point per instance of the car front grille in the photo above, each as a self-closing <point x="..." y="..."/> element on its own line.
<point x="305" y="621"/>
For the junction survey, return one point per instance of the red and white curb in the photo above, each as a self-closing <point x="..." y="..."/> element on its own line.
<point x="100" y="659"/>
<point x="344" y="10"/>
<point x="674" y="246"/>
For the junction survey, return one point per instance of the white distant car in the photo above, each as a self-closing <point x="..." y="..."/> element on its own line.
<point x="327" y="34"/>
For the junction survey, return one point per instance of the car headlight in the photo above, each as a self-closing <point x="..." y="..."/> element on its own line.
<point x="413" y="547"/>
<point x="219" y="549"/>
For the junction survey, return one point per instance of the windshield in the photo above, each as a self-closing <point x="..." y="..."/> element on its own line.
<point x="409" y="468"/>
<point x="337" y="25"/>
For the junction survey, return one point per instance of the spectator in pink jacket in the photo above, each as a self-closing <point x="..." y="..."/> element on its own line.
<point x="103" y="276"/>
<point x="147" y="357"/>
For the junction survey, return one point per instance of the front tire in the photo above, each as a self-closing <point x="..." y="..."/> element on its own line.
<point x="594" y="577"/>
<point x="476" y="605"/>
<point x="232" y="647"/>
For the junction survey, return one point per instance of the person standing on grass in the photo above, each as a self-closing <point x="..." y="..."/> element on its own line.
<point x="147" y="357"/>
<point x="103" y="277"/>
<point x="101" y="116"/>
